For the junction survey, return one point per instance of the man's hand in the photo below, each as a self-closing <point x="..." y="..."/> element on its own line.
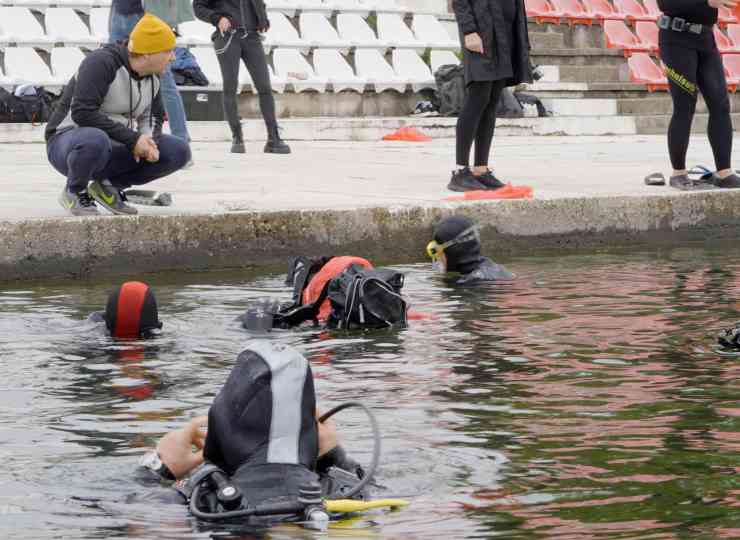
<point x="224" y="25"/>
<point x="328" y="439"/>
<point x="723" y="3"/>
<point x="176" y="448"/>
<point x="146" y="148"/>
<point x="474" y="43"/>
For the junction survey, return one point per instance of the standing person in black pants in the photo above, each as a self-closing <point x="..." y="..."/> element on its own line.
<point x="495" y="55"/>
<point x="694" y="65"/>
<point x="239" y="24"/>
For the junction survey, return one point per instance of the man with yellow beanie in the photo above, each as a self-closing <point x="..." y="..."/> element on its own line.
<point x="106" y="132"/>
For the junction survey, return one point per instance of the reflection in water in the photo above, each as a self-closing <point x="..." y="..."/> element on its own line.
<point x="585" y="400"/>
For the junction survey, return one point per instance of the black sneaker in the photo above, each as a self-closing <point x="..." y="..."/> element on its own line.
<point x="110" y="197"/>
<point x="684" y="183"/>
<point x="490" y="181"/>
<point x="464" y="180"/>
<point x="728" y="182"/>
<point x="78" y="204"/>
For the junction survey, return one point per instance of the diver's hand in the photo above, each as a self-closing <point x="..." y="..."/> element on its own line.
<point x="328" y="439"/>
<point x="175" y="449"/>
<point x="474" y="43"/>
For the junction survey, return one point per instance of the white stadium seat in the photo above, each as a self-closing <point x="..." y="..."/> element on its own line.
<point x="375" y="70"/>
<point x="23" y="65"/>
<point x="355" y="31"/>
<point x="292" y="67"/>
<point x="283" y="34"/>
<point x="208" y="63"/>
<point x="286" y="7"/>
<point x="386" y="6"/>
<point x="318" y="31"/>
<point x="195" y="33"/>
<point x="393" y="30"/>
<point x="18" y="25"/>
<point x="65" y="61"/>
<point x="357" y="7"/>
<point x="79" y="5"/>
<point x="427" y="28"/>
<point x="99" y="23"/>
<point x="441" y="58"/>
<point x="63" y="25"/>
<point x="410" y="67"/>
<point x="331" y="66"/>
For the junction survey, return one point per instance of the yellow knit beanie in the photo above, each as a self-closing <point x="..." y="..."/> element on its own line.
<point x="151" y="35"/>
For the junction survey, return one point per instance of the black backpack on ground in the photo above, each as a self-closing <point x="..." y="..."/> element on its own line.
<point x="451" y="89"/>
<point x="34" y="109"/>
<point x="364" y="298"/>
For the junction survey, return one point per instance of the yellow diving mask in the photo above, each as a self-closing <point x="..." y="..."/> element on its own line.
<point x="435" y="249"/>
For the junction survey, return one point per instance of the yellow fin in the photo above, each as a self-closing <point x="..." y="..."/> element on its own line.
<point x="346" y="506"/>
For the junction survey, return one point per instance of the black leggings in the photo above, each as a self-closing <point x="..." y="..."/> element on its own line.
<point x="696" y="66"/>
<point x="477" y="121"/>
<point x="249" y="49"/>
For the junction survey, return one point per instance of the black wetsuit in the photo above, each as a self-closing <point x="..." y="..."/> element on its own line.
<point x="486" y="270"/>
<point x="694" y="65"/>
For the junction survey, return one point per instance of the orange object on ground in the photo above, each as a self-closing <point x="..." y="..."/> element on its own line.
<point x="506" y="192"/>
<point x="330" y="270"/>
<point x="410" y="134"/>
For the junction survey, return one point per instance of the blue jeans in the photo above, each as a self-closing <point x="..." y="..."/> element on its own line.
<point x="85" y="153"/>
<point x="119" y="28"/>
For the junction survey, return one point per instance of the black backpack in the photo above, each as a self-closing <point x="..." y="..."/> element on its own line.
<point x="451" y="89"/>
<point x="33" y="109"/>
<point x="364" y="298"/>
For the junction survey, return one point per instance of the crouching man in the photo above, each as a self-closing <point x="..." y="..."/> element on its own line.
<point x="106" y="133"/>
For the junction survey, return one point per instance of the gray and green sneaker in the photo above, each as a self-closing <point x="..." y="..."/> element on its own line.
<point x="110" y="197"/>
<point x="78" y="204"/>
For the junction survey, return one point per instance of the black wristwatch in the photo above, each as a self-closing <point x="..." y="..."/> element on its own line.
<point x="154" y="463"/>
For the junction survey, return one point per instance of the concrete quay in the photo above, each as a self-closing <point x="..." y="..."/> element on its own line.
<point x="378" y="199"/>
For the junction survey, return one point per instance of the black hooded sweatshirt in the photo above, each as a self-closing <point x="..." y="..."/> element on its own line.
<point x="695" y="11"/>
<point x="248" y="14"/>
<point x="107" y="94"/>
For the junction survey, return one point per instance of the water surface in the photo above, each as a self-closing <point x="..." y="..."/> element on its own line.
<point x="588" y="399"/>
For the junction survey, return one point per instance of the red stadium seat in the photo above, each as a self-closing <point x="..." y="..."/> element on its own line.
<point x="732" y="69"/>
<point x="643" y="70"/>
<point x="726" y="16"/>
<point x="633" y="10"/>
<point x="573" y="11"/>
<point x="618" y="36"/>
<point x="651" y="6"/>
<point x="647" y="32"/>
<point x="542" y="11"/>
<point x="602" y="9"/>
<point x="733" y="32"/>
<point x="724" y="44"/>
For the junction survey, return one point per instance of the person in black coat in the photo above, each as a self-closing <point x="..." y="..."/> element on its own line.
<point x="694" y="64"/>
<point x="495" y="55"/>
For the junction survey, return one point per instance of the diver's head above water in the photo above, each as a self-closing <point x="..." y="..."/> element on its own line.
<point x="131" y="311"/>
<point x="456" y="245"/>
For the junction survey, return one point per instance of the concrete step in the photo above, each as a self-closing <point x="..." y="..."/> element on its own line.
<point x="592" y="74"/>
<point x="578" y="57"/>
<point x="661" y="104"/>
<point x="578" y="36"/>
<point x="658" y="124"/>
<point x="581" y="107"/>
<point x="546" y="40"/>
<point x="582" y="90"/>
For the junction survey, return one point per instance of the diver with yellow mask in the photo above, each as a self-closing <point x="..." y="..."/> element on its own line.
<point x="456" y="248"/>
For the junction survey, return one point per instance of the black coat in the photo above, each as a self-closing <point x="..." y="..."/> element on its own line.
<point x="502" y="59"/>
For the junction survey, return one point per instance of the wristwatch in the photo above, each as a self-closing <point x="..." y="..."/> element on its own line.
<point x="153" y="462"/>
